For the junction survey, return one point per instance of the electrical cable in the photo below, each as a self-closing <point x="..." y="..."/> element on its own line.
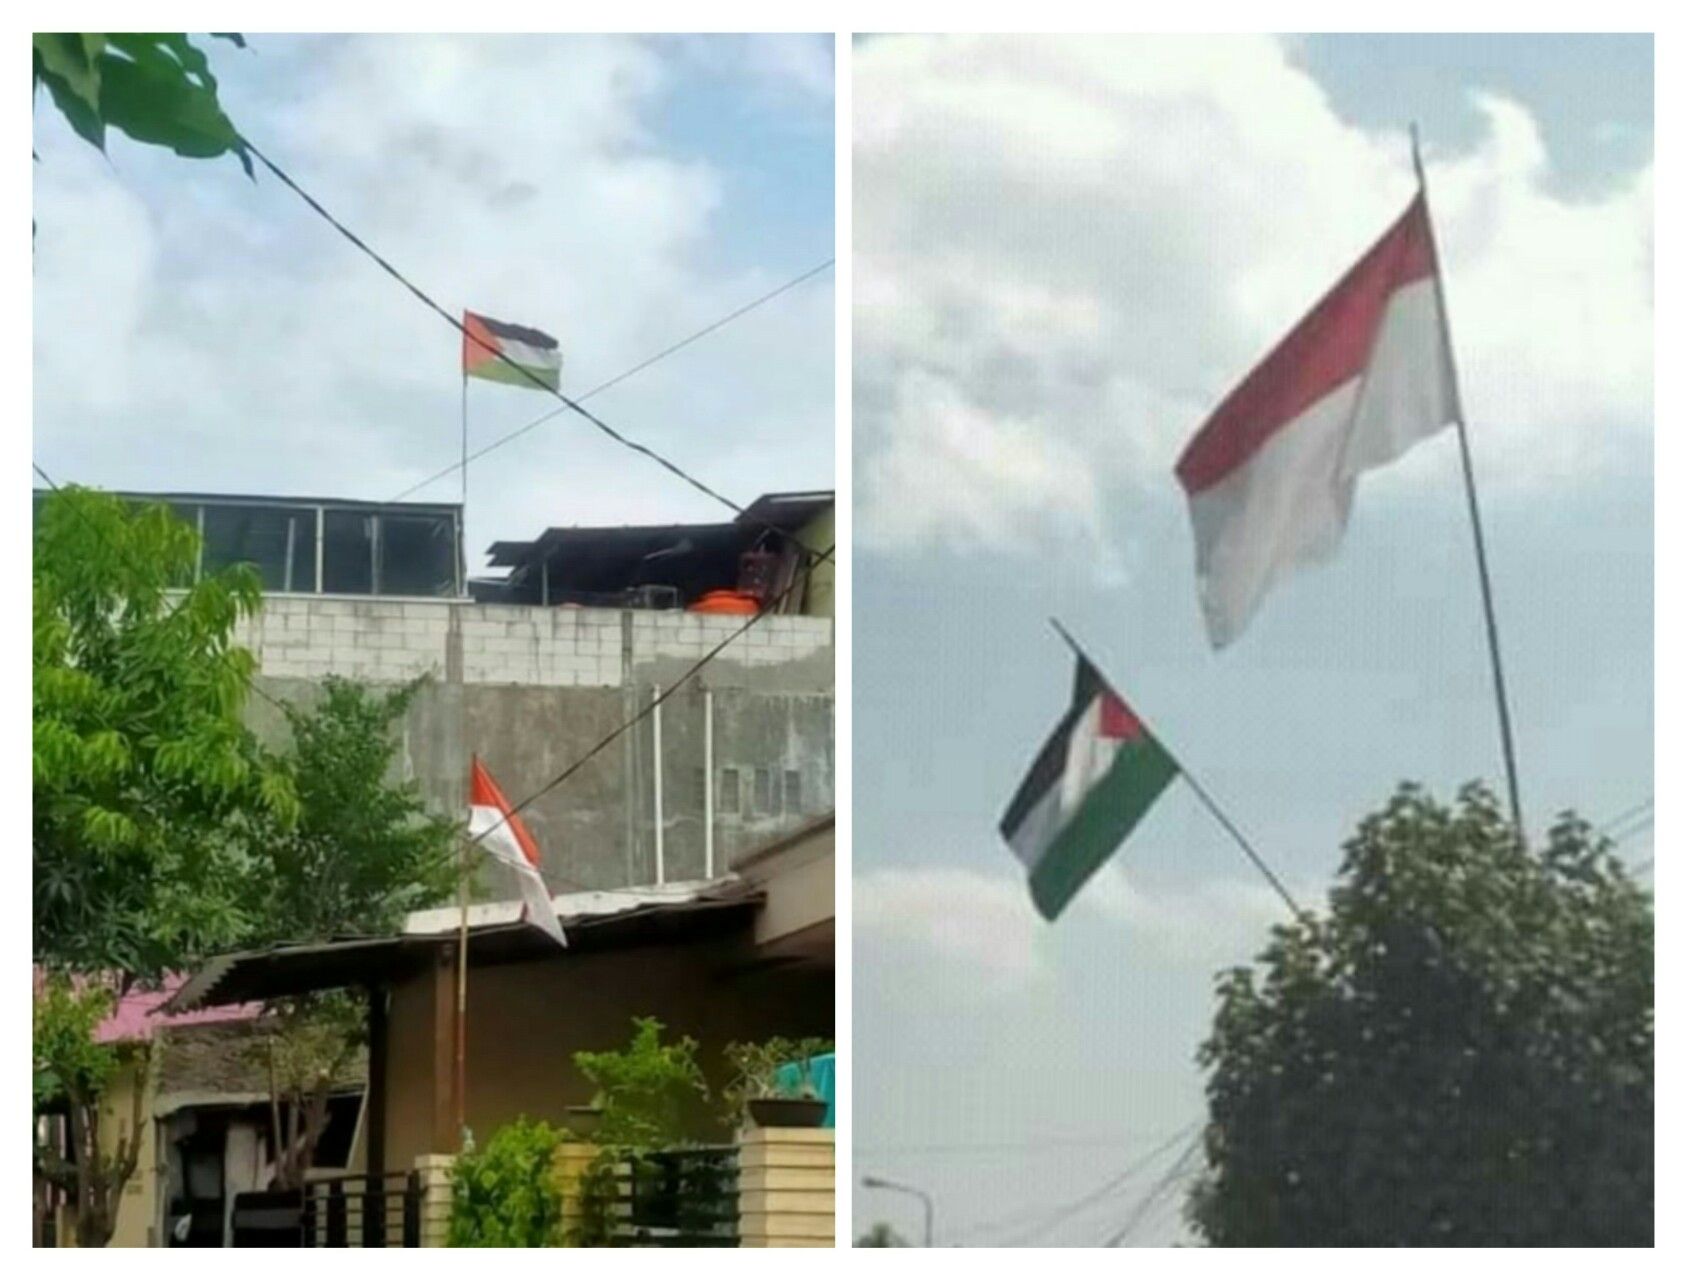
<point x="527" y="374"/>
<point x="619" y="378"/>
<point x="1065" y="1211"/>
<point x="1154" y="1193"/>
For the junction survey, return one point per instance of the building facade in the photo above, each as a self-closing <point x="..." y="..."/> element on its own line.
<point x="532" y="671"/>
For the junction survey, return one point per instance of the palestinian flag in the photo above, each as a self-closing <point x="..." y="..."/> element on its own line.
<point x="1095" y="778"/>
<point x="535" y="352"/>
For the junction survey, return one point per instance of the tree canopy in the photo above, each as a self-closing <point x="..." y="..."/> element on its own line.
<point x="1459" y="1053"/>
<point x="145" y="777"/>
<point x="364" y="851"/>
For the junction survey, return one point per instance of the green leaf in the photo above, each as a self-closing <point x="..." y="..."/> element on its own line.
<point x="85" y="120"/>
<point x="74" y="58"/>
<point x="147" y="102"/>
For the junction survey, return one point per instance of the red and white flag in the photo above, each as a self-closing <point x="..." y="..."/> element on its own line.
<point x="1366" y="375"/>
<point x="504" y="835"/>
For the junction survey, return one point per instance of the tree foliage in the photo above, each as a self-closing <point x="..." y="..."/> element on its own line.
<point x="145" y="777"/>
<point x="72" y="1074"/>
<point x="647" y="1090"/>
<point x="1459" y="1053"/>
<point x="364" y="851"/>
<point x="156" y="87"/>
<point x="362" y="854"/>
<point x="306" y="1044"/>
<point x="880" y="1236"/>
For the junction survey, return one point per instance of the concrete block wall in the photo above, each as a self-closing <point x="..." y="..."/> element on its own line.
<point x="530" y="690"/>
<point x="395" y="640"/>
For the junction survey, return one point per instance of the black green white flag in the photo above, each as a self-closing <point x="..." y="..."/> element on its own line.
<point x="1095" y="778"/>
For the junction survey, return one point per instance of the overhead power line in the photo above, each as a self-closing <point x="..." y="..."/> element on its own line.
<point x="668" y="691"/>
<point x="1063" y="1213"/>
<point x="416" y="291"/>
<point x="1154" y="1193"/>
<point x="1026" y="1144"/>
<point x="621" y="377"/>
<point x="1632" y="811"/>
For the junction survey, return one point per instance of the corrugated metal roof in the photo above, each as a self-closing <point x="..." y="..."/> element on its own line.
<point x="594" y="921"/>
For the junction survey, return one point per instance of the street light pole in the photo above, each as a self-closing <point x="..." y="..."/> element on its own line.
<point x="885" y="1184"/>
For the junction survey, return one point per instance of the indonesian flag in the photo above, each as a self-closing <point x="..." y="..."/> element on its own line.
<point x="486" y="339"/>
<point x="1097" y="775"/>
<point x="1365" y="376"/>
<point x="505" y="836"/>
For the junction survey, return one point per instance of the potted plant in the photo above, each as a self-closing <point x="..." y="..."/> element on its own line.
<point x="768" y="1097"/>
<point x="583" y="1122"/>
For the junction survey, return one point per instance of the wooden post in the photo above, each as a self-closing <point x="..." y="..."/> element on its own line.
<point x="375" y="1104"/>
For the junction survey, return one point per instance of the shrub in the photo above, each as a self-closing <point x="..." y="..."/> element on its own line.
<point x="507" y="1196"/>
<point x="646" y="1089"/>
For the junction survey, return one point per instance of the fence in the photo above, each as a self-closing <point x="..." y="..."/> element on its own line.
<point x="369" y="1211"/>
<point x="685" y="1198"/>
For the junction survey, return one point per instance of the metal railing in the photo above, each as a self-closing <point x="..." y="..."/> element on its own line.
<point x="337" y="1211"/>
<point x="366" y="1210"/>
<point x="686" y="1198"/>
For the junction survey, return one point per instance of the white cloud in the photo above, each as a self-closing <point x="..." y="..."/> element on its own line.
<point x="975" y="935"/>
<point x="195" y="330"/>
<point x="1067" y="249"/>
<point x="1197" y="923"/>
<point x="964" y="931"/>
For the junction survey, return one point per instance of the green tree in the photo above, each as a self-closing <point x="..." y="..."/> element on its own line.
<point x="306" y="1044"/>
<point x="145" y="777"/>
<point x="362" y="854"/>
<point x="1460" y="1053"/>
<point x="157" y="87"/>
<point x="364" y="851"/>
<point x="72" y="1074"/>
<point x="145" y="781"/>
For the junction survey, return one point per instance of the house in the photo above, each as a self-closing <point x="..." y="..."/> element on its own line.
<point x="204" y="1104"/>
<point x="745" y="956"/>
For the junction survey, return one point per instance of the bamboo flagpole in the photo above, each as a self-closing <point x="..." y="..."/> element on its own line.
<point x="1506" y="745"/>
<point x="460" y="1083"/>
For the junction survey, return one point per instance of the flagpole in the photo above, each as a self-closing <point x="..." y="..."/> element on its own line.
<point x="1500" y="700"/>
<point x="1201" y="794"/>
<point x="461" y="1080"/>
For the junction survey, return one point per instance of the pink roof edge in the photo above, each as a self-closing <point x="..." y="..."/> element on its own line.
<point x="136" y="1016"/>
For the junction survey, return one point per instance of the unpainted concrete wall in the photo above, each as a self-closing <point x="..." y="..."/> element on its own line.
<point x="531" y="690"/>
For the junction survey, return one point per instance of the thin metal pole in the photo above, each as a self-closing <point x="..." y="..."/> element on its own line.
<point x="463" y="497"/>
<point x="708" y="783"/>
<point x="1200" y="791"/>
<point x="656" y="778"/>
<point x="1506" y="744"/>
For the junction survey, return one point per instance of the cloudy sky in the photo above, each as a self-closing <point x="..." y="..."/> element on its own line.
<point x="1066" y="252"/>
<point x="198" y="331"/>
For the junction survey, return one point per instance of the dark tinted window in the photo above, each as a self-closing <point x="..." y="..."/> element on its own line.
<point x="348" y="567"/>
<point x="280" y="541"/>
<point x="418" y="556"/>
